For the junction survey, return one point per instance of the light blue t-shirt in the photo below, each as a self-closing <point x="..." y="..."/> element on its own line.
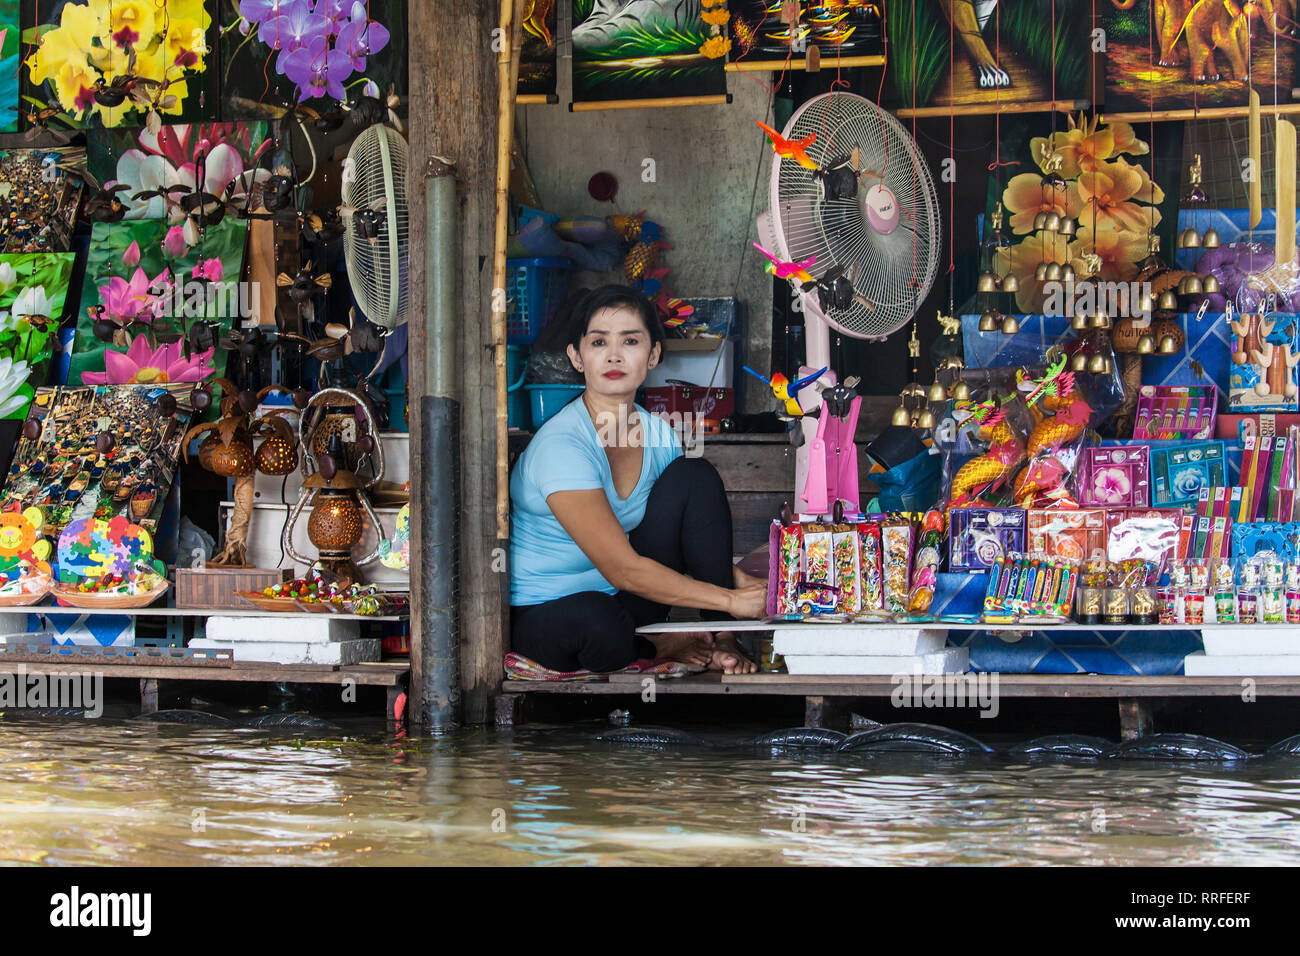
<point x="566" y="455"/>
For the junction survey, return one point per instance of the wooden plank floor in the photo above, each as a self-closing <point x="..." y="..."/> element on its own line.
<point x="1101" y="686"/>
<point x="378" y="674"/>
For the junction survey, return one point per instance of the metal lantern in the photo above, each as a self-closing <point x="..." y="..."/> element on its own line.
<point x="338" y="501"/>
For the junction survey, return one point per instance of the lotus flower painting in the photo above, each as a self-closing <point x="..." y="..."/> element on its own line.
<point x="165" y="50"/>
<point x="316" y="52"/>
<point x="9" y="37"/>
<point x="145" y="286"/>
<point x="221" y="154"/>
<point x="33" y="296"/>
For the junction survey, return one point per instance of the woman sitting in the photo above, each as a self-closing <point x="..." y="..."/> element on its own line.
<point x="612" y="525"/>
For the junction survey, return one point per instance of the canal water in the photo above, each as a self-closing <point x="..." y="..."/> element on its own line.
<point x="129" y="792"/>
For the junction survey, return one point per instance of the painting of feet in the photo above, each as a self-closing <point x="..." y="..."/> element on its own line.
<point x="1180" y="54"/>
<point x="987" y="53"/>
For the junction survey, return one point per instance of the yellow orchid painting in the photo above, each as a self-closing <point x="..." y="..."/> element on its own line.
<point x="1111" y="197"/>
<point x="125" y="62"/>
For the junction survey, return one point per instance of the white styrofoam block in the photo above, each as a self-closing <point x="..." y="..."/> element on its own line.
<point x="41" y="638"/>
<point x="697" y="366"/>
<point x="264" y="541"/>
<point x="952" y="660"/>
<point x="19" y="624"/>
<point x="1235" y="641"/>
<point x="859" y="641"/>
<point x="321" y="629"/>
<point x="297" y="652"/>
<point x="1198" y="664"/>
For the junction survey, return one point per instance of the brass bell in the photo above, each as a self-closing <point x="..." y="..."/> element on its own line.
<point x="1146" y="345"/>
<point x="1189" y="285"/>
<point x="1080" y="321"/>
<point x="1010" y="325"/>
<point x="1052" y="223"/>
<point x="961" y="392"/>
<point x="988" y="322"/>
<point x="1100" y="320"/>
<point x="1209" y="285"/>
<point x="988" y="282"/>
<point x="1168" y="302"/>
<point x="926" y="421"/>
<point x="1040" y="271"/>
<point x="1189" y="239"/>
<point x="902" y="417"/>
<point x="1167" y="345"/>
<point x="1079" y="362"/>
<point x="1210" y="240"/>
<point x="937" y="392"/>
<point x="1097" y="364"/>
<point x="1067" y="227"/>
<point x="1040" y="221"/>
<point x="1010" y="283"/>
<point x="1145" y="303"/>
<point x="1067" y="273"/>
<point x="1053" y="272"/>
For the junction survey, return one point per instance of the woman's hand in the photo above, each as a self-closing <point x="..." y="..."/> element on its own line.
<point x="748" y="603"/>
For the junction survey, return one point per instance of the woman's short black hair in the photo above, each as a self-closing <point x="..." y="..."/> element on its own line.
<point x="617" y="296"/>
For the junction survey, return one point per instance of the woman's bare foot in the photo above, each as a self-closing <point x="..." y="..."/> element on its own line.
<point x="690" y="647"/>
<point x="743" y="580"/>
<point x="726" y="656"/>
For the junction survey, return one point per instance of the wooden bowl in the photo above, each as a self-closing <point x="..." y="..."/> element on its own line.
<point x="68" y="596"/>
<point x="23" y="600"/>
<point x="264" y="603"/>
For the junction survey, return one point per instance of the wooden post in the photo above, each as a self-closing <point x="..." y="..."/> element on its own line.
<point x="831" y="713"/>
<point x="453" y="113"/>
<point x="148" y="695"/>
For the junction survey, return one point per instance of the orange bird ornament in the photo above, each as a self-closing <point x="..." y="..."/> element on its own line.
<point x="790" y="148"/>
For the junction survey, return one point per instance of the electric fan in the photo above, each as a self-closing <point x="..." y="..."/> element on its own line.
<point x="868" y="213"/>
<point x="857" y="206"/>
<point x="375" y="215"/>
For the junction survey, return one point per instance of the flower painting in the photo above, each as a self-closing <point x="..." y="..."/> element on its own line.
<point x="121" y="62"/>
<point x="33" y="296"/>
<point x="145" y="294"/>
<point x="315" y="52"/>
<point x="222" y="153"/>
<point x="9" y="39"/>
<point x="1104" y="187"/>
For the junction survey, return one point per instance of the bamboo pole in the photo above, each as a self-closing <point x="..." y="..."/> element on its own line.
<point x="508" y="78"/>
<point x="1212" y="112"/>
<point x="1257" y="177"/>
<point x="827" y="63"/>
<point x="990" y="109"/>
<point x="718" y="100"/>
<point x="1284" y="243"/>
<point x="536" y="99"/>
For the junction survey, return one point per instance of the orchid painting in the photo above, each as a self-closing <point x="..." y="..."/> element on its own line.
<point x="222" y="153"/>
<point x="317" y="52"/>
<point x="158" y="53"/>
<point x="9" y="37"/>
<point x="138" y="301"/>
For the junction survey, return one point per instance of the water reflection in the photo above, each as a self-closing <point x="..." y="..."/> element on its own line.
<point x="88" y="793"/>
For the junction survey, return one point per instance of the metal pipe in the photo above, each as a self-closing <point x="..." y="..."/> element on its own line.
<point x="439" y="450"/>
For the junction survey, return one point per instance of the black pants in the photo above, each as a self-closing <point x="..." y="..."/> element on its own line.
<point x="687" y="527"/>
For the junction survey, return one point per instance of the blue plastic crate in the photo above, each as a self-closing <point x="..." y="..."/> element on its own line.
<point x="535" y="289"/>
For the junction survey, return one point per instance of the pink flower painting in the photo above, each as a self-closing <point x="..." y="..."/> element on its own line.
<point x="143" y="365"/>
<point x="1111" y="486"/>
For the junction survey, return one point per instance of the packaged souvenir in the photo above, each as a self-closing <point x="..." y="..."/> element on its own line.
<point x="896" y="555"/>
<point x="1179" y="473"/>
<point x="869" y="561"/>
<point x="978" y="537"/>
<point x="1150" y="535"/>
<point x="790" y="559"/>
<point x="1079" y="535"/>
<point x="848" y="576"/>
<point x="1115" y="477"/>
<point x="818" y="561"/>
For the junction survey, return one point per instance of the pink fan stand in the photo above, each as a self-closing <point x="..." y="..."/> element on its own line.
<point x="833" y="463"/>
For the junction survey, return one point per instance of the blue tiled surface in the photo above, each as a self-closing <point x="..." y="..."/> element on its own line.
<point x="1059" y="651"/>
<point x="87" y="630"/>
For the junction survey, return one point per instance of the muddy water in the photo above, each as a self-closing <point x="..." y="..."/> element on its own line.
<point x="80" y="792"/>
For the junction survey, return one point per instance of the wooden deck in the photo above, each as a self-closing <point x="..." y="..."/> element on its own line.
<point x="826" y="698"/>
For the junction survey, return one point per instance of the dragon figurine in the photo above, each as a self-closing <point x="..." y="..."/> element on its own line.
<point x="996" y="465"/>
<point x="1044" y="475"/>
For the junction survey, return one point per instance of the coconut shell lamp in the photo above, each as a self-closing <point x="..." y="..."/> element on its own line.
<point x="338" y="503"/>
